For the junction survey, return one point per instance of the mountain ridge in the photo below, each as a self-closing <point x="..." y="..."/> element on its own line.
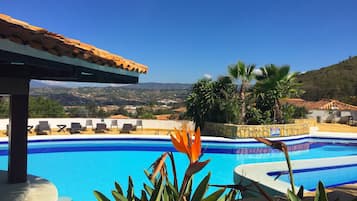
<point x="337" y="81"/>
<point x="144" y="85"/>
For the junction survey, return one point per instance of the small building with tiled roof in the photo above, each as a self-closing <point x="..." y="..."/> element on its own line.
<point x="325" y="110"/>
<point x="119" y="116"/>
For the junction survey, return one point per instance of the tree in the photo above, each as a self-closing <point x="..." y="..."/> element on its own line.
<point x="245" y="74"/>
<point x="4" y="107"/>
<point x="200" y="101"/>
<point x="213" y="101"/>
<point x="273" y="84"/>
<point x="122" y="111"/>
<point x="44" y="107"/>
<point x="77" y="112"/>
<point x="145" y="113"/>
<point x="92" y="109"/>
<point x="225" y="108"/>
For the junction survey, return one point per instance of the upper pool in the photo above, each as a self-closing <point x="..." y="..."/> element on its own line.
<point x="77" y="166"/>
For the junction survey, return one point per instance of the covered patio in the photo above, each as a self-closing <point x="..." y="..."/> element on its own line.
<point x="29" y="52"/>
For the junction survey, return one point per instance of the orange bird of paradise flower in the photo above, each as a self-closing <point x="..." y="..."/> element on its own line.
<point x="182" y="141"/>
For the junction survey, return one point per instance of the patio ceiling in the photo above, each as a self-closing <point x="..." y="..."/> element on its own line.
<point x="35" y="53"/>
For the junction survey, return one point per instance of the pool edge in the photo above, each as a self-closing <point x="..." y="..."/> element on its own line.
<point x="258" y="172"/>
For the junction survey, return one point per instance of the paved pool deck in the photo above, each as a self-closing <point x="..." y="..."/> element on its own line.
<point x="35" y="189"/>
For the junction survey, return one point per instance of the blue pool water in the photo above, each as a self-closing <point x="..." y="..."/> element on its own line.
<point x="331" y="176"/>
<point x="77" y="167"/>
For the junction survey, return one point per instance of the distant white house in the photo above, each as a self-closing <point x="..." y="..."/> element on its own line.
<point x="326" y="110"/>
<point x="130" y="109"/>
<point x="167" y="101"/>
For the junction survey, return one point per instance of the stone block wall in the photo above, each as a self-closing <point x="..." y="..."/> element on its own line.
<point x="250" y="131"/>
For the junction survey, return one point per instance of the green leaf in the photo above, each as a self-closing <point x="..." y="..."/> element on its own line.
<point x="119" y="197"/>
<point x="148" y="175"/>
<point x="300" y="193"/>
<point x="130" y="192"/>
<point x="118" y="188"/>
<point x="229" y="196"/>
<point x="202" y="188"/>
<point x="320" y="194"/>
<point x="156" y="194"/>
<point x="100" y="196"/>
<point x="292" y="196"/>
<point x="171" y="188"/>
<point x="188" y="189"/>
<point x="143" y="196"/>
<point x="165" y="194"/>
<point x="215" y="196"/>
<point x="148" y="189"/>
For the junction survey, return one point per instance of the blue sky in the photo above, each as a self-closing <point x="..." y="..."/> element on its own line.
<point x="182" y="40"/>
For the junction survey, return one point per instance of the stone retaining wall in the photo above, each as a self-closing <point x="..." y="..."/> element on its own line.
<point x="249" y="131"/>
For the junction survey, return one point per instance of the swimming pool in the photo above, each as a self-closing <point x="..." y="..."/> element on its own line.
<point x="332" y="176"/>
<point x="77" y="166"/>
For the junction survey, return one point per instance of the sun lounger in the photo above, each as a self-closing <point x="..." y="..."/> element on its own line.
<point x="29" y="129"/>
<point x="43" y="128"/>
<point x="101" y="128"/>
<point x="76" y="128"/>
<point x="126" y="128"/>
<point x="353" y="119"/>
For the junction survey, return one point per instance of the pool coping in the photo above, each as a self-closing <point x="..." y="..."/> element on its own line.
<point x="249" y="172"/>
<point x="141" y="136"/>
<point x="314" y="134"/>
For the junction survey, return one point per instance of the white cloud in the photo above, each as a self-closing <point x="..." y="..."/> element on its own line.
<point x="257" y="71"/>
<point x="207" y="76"/>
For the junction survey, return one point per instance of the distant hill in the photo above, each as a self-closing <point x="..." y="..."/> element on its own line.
<point x="38" y="84"/>
<point x="146" y="86"/>
<point x="338" y="81"/>
<point x="139" y="94"/>
<point x="158" y="86"/>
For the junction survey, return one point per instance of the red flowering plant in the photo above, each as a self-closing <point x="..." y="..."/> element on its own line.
<point x="161" y="188"/>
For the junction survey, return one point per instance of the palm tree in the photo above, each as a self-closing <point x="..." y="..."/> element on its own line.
<point x="245" y="74"/>
<point x="275" y="83"/>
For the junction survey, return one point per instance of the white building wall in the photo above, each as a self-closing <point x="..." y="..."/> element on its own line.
<point x="325" y="114"/>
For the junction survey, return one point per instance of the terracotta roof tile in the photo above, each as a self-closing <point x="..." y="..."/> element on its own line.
<point x="324" y="104"/>
<point x="180" y="109"/>
<point x="163" y="116"/>
<point x="23" y="33"/>
<point x="119" y="116"/>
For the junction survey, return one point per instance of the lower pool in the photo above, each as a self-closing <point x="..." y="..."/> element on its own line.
<point x="330" y="175"/>
<point x="77" y="166"/>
